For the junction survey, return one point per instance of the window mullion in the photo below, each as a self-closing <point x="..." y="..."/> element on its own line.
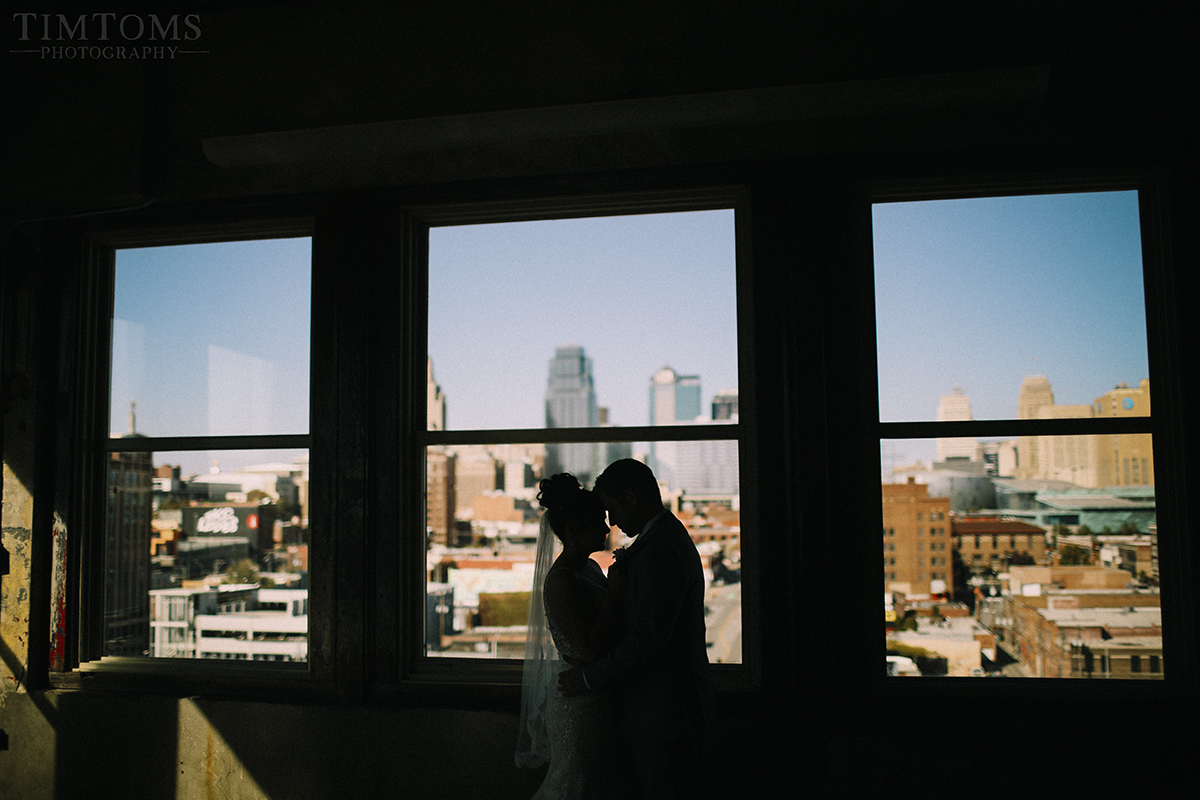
<point x="409" y="600"/>
<point x="645" y="433"/>
<point x="1023" y="427"/>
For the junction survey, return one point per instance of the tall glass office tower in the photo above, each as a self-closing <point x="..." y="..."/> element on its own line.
<point x="673" y="398"/>
<point x="571" y="403"/>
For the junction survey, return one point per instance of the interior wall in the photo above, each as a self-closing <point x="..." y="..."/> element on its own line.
<point x="66" y="744"/>
<point x="461" y="101"/>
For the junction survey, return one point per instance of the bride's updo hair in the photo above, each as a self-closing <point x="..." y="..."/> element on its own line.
<point x="566" y="501"/>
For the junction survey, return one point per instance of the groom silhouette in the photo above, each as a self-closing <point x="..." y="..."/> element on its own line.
<point x="658" y="672"/>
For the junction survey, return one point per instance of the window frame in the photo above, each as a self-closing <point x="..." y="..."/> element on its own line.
<point x="78" y="660"/>
<point x="1166" y="424"/>
<point x="369" y="252"/>
<point x="418" y="668"/>
<point x="366" y="438"/>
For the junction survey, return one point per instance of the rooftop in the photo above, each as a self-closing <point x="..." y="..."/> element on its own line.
<point x="993" y="525"/>
<point x="1092" y="501"/>
<point x="1142" y="617"/>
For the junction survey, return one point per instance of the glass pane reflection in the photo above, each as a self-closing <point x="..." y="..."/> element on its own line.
<point x="212" y="339"/>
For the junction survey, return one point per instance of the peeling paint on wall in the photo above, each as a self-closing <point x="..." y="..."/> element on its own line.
<point x="16" y="537"/>
<point x="58" y="608"/>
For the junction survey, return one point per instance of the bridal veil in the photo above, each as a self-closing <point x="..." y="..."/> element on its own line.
<point x="541" y="660"/>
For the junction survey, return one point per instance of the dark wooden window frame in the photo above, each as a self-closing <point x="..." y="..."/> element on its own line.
<point x="369" y="262"/>
<point x="415" y="665"/>
<point x="367" y="446"/>
<point x="1166" y="424"/>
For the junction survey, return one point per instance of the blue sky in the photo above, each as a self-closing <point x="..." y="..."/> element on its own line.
<point x="636" y="292"/>
<point x="980" y="293"/>
<point x="213" y="339"/>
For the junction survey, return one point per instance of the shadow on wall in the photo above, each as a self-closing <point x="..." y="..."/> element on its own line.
<point x="76" y="744"/>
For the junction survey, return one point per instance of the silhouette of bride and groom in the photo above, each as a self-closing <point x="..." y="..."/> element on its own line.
<point x="617" y="693"/>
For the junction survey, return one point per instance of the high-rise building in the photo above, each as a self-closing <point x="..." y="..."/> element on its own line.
<point x="127" y="551"/>
<point x="476" y="472"/>
<point x="725" y="405"/>
<point x="1035" y="393"/>
<point x="1125" y="459"/>
<point x="955" y="407"/>
<point x="706" y="467"/>
<point x="1094" y="461"/>
<point x="440" y="498"/>
<point x="612" y="451"/>
<point x="916" y="541"/>
<point x="673" y="398"/>
<point x="1000" y="457"/>
<point x="435" y="402"/>
<point x="1065" y="457"/>
<point x="571" y="403"/>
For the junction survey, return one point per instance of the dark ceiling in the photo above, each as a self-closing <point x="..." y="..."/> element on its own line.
<point x="91" y="133"/>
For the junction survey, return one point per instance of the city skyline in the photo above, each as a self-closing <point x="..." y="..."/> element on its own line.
<point x="993" y="289"/>
<point x="980" y="293"/>
<point x="637" y="292"/>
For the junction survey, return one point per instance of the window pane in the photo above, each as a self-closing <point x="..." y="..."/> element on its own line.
<point x="482" y="521"/>
<point x="989" y="573"/>
<point x="628" y="320"/>
<point x="212" y="339"/>
<point x="207" y="561"/>
<point x="977" y="298"/>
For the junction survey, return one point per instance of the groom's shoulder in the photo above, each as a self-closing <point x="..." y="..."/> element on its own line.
<point x="668" y="521"/>
<point x="672" y="531"/>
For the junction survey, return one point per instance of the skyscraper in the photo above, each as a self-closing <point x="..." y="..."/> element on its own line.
<point x="1035" y="393"/>
<point x="127" y="551"/>
<point x="440" y="497"/>
<point x="955" y="407"/>
<point x="725" y="405"/>
<point x="435" y="401"/>
<point x="1096" y="460"/>
<point x="673" y="398"/>
<point x="1126" y="459"/>
<point x="571" y="403"/>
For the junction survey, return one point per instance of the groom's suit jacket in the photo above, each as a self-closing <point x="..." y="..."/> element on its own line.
<point x="658" y="673"/>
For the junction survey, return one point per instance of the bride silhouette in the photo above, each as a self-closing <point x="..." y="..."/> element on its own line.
<point x="573" y="620"/>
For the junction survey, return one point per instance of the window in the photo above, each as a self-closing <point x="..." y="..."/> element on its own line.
<point x="561" y="345"/>
<point x="208" y="456"/>
<point x="1024" y="402"/>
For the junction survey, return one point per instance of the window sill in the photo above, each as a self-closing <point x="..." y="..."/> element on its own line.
<point x="189" y="677"/>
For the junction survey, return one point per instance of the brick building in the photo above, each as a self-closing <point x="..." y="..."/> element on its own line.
<point x="916" y="541"/>
<point x="995" y="542"/>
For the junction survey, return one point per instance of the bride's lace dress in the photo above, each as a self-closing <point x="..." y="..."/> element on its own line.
<point x="581" y="728"/>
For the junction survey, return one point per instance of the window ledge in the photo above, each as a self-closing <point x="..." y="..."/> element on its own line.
<point x="186" y="677"/>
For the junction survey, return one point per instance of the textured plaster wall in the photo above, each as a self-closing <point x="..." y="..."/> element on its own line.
<point x="77" y="744"/>
<point x="17" y="526"/>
